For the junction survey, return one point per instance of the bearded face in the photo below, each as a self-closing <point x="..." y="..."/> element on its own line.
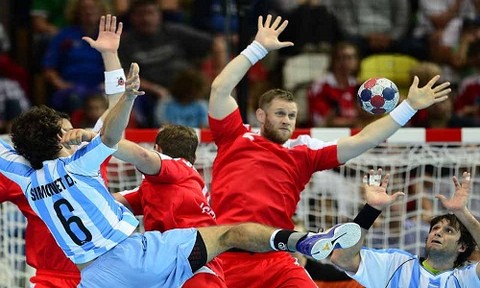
<point x="278" y="120"/>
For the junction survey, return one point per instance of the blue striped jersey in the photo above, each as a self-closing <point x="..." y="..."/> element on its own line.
<point x="397" y="268"/>
<point x="70" y="196"/>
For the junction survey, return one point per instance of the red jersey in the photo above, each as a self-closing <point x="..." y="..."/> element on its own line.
<point x="469" y="94"/>
<point x="41" y="250"/>
<point x="174" y="198"/>
<point x="324" y="97"/>
<point x="257" y="180"/>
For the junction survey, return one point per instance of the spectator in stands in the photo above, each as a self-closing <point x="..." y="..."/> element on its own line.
<point x="467" y="103"/>
<point x="163" y="50"/>
<point x="13" y="97"/>
<point x="9" y="69"/>
<point x="440" y="27"/>
<point x="450" y="242"/>
<point x="47" y="18"/>
<point x="93" y="107"/>
<point x="442" y="115"/>
<point x="188" y="105"/>
<point x="71" y="66"/>
<point x="313" y="28"/>
<point x="215" y="17"/>
<point x="332" y="99"/>
<point x="374" y="26"/>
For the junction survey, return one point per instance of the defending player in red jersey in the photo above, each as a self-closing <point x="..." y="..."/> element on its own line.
<point x="259" y="177"/>
<point x="174" y="198"/>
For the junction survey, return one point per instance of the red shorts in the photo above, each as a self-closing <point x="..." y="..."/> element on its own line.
<point x="55" y="279"/>
<point x="210" y="276"/>
<point x="273" y="269"/>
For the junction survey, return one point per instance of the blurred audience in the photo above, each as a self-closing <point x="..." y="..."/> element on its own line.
<point x="47" y="18"/>
<point x="93" y="107"/>
<point x="467" y="103"/>
<point x="332" y="100"/>
<point x="187" y="105"/>
<point x="374" y="26"/>
<point x="13" y="81"/>
<point x="71" y="66"/>
<point x="445" y="27"/>
<point x="440" y="115"/>
<point x="312" y="27"/>
<point x="9" y="68"/>
<point x="162" y="50"/>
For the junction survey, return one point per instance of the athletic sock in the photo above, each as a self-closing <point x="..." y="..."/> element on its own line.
<point x="286" y="240"/>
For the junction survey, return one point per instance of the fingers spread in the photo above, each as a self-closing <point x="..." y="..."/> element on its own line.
<point x="432" y="81"/>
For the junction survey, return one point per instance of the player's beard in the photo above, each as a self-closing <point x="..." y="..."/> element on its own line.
<point x="273" y="135"/>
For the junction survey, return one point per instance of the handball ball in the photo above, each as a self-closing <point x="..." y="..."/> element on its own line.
<point x="378" y="95"/>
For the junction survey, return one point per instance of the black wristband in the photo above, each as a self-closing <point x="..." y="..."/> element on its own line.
<point x="367" y="216"/>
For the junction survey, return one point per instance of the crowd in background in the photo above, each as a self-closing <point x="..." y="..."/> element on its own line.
<point x="181" y="45"/>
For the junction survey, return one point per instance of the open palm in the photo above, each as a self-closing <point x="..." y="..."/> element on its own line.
<point x="108" y="39"/>
<point x="268" y="33"/>
<point x="376" y="193"/>
<point x="459" y="199"/>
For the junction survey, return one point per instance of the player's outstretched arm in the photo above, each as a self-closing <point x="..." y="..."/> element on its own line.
<point x="457" y="204"/>
<point x="379" y="130"/>
<point x="117" y="119"/>
<point x="107" y="44"/>
<point x="221" y="102"/>
<point x="377" y="199"/>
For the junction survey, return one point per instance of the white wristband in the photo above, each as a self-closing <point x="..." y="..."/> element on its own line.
<point x="114" y="81"/>
<point x="254" y="52"/>
<point x="402" y="113"/>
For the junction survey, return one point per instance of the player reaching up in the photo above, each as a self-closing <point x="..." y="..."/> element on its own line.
<point x="451" y="240"/>
<point x="259" y="177"/>
<point x="65" y="190"/>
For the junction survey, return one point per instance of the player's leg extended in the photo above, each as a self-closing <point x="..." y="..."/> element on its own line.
<point x="260" y="238"/>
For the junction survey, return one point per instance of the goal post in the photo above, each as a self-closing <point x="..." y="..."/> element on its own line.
<point x="421" y="162"/>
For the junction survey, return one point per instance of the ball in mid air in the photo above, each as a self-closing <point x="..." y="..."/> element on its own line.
<point x="378" y="95"/>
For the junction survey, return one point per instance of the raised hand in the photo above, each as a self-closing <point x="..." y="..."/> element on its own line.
<point x="376" y="190"/>
<point x="420" y="98"/>
<point x="108" y="36"/>
<point x="267" y="34"/>
<point x="133" y="82"/>
<point x="459" y="199"/>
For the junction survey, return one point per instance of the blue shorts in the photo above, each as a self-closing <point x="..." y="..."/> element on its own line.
<point x="151" y="259"/>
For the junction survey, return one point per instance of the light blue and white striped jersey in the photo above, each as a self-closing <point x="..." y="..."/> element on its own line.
<point x="70" y="196"/>
<point x="396" y="268"/>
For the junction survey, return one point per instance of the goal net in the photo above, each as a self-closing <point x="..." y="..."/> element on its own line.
<point x="421" y="163"/>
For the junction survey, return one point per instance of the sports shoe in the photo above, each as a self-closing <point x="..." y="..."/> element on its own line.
<point x="320" y="245"/>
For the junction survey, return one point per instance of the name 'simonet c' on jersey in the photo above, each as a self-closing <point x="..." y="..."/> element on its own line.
<point x="69" y="195"/>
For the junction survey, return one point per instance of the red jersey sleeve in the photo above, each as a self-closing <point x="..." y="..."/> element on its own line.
<point x="226" y="130"/>
<point x="172" y="170"/>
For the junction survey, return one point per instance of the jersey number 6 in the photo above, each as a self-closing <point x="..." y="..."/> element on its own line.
<point x="67" y="223"/>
